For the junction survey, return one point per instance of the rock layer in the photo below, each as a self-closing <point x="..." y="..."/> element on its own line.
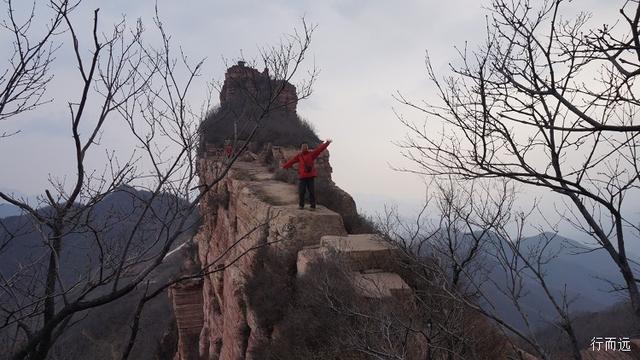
<point x="249" y="209"/>
<point x="241" y="81"/>
<point x="186" y="298"/>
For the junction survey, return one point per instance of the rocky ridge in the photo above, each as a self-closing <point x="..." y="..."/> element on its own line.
<point x="250" y="209"/>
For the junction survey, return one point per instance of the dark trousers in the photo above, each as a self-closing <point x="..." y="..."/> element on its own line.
<point x="303" y="186"/>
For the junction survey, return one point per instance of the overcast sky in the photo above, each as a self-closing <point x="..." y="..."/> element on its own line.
<point x="366" y="50"/>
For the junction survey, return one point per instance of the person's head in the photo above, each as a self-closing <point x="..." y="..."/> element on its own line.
<point x="304" y="147"/>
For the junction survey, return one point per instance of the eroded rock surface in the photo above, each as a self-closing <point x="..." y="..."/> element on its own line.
<point x="255" y="206"/>
<point x="248" y="209"/>
<point x="187" y="304"/>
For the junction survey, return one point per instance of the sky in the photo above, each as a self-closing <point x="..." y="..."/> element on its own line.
<point x="366" y="50"/>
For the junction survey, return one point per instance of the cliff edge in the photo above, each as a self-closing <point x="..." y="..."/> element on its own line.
<point x="268" y="264"/>
<point x="251" y="210"/>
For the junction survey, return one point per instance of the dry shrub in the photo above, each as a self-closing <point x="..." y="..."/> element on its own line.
<point x="270" y="288"/>
<point x="319" y="315"/>
<point x="284" y="128"/>
<point x="457" y="330"/>
<point x="309" y="328"/>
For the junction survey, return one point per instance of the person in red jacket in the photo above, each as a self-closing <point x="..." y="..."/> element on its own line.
<point x="228" y="149"/>
<point x="306" y="171"/>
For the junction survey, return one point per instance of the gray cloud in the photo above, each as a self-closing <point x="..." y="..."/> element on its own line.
<point x="366" y="50"/>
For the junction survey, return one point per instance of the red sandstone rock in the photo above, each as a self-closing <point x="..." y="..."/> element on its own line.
<point x="246" y="210"/>
<point x="240" y="79"/>
<point x="188" y="308"/>
<point x="260" y="210"/>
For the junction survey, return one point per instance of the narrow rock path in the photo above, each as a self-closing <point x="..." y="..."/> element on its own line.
<point x="368" y="257"/>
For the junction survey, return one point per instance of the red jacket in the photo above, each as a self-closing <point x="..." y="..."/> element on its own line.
<point x="306" y="158"/>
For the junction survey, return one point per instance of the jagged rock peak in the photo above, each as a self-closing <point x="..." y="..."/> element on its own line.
<point x="248" y="97"/>
<point x="241" y="80"/>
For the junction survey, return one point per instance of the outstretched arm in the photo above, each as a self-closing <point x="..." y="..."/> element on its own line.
<point x="320" y="148"/>
<point x="290" y="163"/>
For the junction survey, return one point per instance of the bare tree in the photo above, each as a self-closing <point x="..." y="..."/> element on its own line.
<point x="549" y="102"/>
<point x="126" y="83"/>
<point x="24" y="81"/>
<point x="470" y="252"/>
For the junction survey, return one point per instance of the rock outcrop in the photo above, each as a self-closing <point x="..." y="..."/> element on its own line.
<point x="369" y="259"/>
<point x="249" y="97"/>
<point x="255" y="207"/>
<point x="250" y="209"/>
<point x="241" y="81"/>
<point x="186" y="298"/>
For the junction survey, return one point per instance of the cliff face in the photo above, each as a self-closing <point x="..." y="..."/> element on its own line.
<point x="242" y="81"/>
<point x="250" y="209"/>
<point x="256" y="208"/>
<point x="187" y="302"/>
<point x="248" y="97"/>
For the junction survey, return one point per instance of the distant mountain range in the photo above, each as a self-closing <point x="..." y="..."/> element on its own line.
<point x="114" y="217"/>
<point x="584" y="275"/>
<point x="103" y="330"/>
<point x="7" y="210"/>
